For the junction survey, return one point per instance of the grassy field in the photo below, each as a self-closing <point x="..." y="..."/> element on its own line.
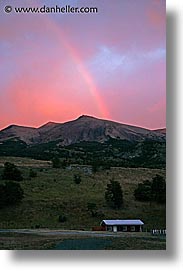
<point x="53" y="193"/>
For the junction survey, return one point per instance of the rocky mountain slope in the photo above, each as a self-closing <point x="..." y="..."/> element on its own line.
<point x="85" y="128"/>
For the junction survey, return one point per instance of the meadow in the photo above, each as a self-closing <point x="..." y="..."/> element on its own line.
<point x="53" y="192"/>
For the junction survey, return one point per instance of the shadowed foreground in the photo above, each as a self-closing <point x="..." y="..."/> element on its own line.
<point x="79" y="240"/>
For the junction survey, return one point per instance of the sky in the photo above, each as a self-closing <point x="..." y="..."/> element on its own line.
<point x="111" y="64"/>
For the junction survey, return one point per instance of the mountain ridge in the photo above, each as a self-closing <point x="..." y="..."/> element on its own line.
<point x="84" y="128"/>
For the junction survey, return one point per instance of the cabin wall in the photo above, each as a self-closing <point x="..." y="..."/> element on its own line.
<point x="123" y="228"/>
<point x="128" y="228"/>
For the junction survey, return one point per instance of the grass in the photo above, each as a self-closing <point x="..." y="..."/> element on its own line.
<point x="25" y="162"/>
<point x="15" y="241"/>
<point x="53" y="193"/>
<point x="138" y="241"/>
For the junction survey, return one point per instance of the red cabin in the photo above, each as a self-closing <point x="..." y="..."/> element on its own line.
<point x="122" y="225"/>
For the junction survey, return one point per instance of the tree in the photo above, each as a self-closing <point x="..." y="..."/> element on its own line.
<point x="95" y="167"/>
<point x="56" y="162"/>
<point x="92" y="208"/>
<point x="64" y="164"/>
<point x="11" y="172"/>
<point x="32" y="173"/>
<point x="154" y="190"/>
<point x="143" y="191"/>
<point x="62" y="218"/>
<point x="159" y="189"/>
<point x="2" y="196"/>
<point x="10" y="193"/>
<point x="77" y="179"/>
<point x="114" y="194"/>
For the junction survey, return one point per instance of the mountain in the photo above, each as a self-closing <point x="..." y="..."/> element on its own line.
<point x="85" y="128"/>
<point x="26" y="134"/>
<point x="87" y="140"/>
<point x="162" y="131"/>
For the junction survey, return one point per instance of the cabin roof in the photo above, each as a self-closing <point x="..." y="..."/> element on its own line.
<point x="122" y="222"/>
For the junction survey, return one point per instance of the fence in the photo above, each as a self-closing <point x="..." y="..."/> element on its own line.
<point x="158" y="231"/>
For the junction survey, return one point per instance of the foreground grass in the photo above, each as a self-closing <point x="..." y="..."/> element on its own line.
<point x="138" y="243"/>
<point x="14" y="241"/>
<point x="53" y="193"/>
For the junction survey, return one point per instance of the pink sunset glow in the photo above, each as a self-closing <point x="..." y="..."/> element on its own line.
<point x="111" y="65"/>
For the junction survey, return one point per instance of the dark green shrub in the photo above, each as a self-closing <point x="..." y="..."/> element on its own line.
<point x="56" y="163"/>
<point x="77" y="179"/>
<point x="32" y="174"/>
<point x="11" y="172"/>
<point x="95" y="167"/>
<point x="11" y="193"/>
<point x="62" y="218"/>
<point x="37" y="226"/>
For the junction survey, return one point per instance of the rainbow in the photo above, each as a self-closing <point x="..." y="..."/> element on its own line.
<point x="86" y="75"/>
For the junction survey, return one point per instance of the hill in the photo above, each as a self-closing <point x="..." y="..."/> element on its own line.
<point x="53" y="193"/>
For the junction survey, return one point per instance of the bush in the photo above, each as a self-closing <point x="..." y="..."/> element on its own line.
<point x="56" y="163"/>
<point x="37" y="226"/>
<point x="62" y="218"/>
<point x="11" y="172"/>
<point x="95" y="167"/>
<point x="32" y="174"/>
<point x="77" y="179"/>
<point x="10" y="193"/>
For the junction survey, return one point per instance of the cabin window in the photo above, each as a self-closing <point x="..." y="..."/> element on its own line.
<point x="132" y="228"/>
<point x="109" y="228"/>
<point x="124" y="228"/>
<point x="120" y="228"/>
